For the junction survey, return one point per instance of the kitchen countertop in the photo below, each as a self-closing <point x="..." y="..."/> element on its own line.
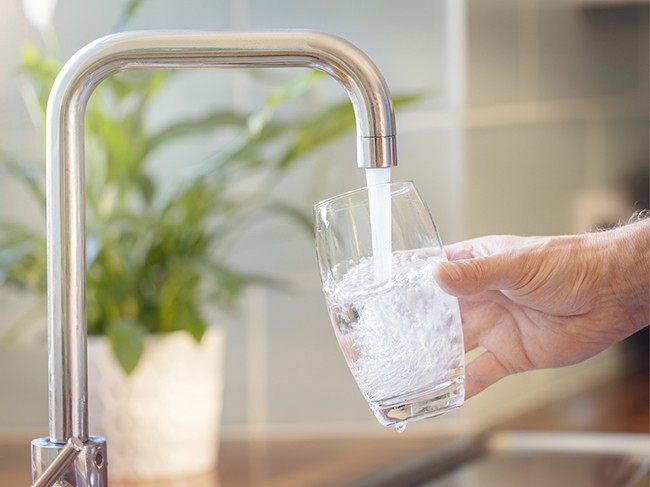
<point x="619" y="406"/>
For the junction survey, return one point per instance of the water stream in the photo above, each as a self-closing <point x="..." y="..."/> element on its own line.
<point x="380" y="220"/>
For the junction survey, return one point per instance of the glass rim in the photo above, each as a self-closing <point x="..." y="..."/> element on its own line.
<point x="406" y="183"/>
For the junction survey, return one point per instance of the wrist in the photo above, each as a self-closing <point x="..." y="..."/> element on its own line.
<point x="628" y="255"/>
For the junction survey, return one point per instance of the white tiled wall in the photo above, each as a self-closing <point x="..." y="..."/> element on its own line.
<point x="558" y="108"/>
<point x="556" y="105"/>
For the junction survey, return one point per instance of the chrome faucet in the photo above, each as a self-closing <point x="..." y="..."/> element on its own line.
<point x="69" y="454"/>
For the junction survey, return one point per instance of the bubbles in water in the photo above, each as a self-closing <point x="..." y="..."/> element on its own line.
<point x="405" y="334"/>
<point x="400" y="427"/>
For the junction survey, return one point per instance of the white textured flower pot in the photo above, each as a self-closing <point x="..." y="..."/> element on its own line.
<point x="162" y="420"/>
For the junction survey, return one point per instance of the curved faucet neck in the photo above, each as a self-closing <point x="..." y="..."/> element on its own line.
<point x="65" y="161"/>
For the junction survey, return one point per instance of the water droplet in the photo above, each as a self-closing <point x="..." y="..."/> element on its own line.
<point x="400" y="428"/>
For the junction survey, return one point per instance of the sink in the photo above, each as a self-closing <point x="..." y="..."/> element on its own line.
<point x="530" y="459"/>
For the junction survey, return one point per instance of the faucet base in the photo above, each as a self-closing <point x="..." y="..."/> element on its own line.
<point x="88" y="468"/>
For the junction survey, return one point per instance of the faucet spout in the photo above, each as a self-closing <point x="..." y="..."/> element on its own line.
<point x="66" y="263"/>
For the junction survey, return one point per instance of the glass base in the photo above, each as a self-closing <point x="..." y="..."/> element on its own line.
<point x="423" y="404"/>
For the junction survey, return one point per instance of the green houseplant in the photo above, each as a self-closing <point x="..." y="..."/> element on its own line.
<point x="155" y="256"/>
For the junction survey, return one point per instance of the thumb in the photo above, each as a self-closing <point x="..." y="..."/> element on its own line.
<point x="470" y="276"/>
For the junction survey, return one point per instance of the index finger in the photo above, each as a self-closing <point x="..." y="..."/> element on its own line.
<point x="480" y="247"/>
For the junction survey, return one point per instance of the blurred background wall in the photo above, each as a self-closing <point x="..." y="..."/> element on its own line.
<point x="534" y="121"/>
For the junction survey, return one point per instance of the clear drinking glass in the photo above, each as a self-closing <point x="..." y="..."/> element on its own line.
<point x="399" y="332"/>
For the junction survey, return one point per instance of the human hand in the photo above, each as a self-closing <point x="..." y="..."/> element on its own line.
<point x="539" y="302"/>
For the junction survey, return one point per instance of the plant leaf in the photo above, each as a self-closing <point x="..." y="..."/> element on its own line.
<point x="297" y="215"/>
<point x="22" y="258"/>
<point x="295" y="87"/>
<point x="327" y="126"/>
<point x="230" y="283"/>
<point x="147" y="187"/>
<point x="127" y="340"/>
<point x="126" y="14"/>
<point x="30" y="175"/>
<point x="193" y="323"/>
<point x="41" y="71"/>
<point x="213" y="120"/>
